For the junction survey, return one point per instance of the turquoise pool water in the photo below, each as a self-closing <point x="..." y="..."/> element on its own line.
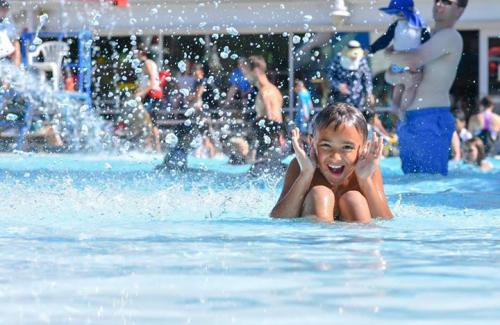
<point x="103" y="240"/>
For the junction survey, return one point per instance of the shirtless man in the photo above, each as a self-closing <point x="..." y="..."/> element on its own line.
<point x="268" y="106"/>
<point x="426" y="132"/>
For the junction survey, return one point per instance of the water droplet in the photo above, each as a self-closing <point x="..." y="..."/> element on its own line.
<point x="189" y="112"/>
<point x="184" y="91"/>
<point x="11" y="117"/>
<point x="232" y="31"/>
<point x="44" y="19"/>
<point x="37" y="41"/>
<point x="196" y="142"/>
<point x="182" y="66"/>
<point x="171" y="139"/>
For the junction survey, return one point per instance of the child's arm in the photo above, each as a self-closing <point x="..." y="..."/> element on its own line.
<point x="370" y="179"/>
<point x="383" y="41"/>
<point x="426" y="35"/>
<point x="297" y="182"/>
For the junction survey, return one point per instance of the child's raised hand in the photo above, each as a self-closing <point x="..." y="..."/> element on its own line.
<point x="307" y="163"/>
<point x="369" y="158"/>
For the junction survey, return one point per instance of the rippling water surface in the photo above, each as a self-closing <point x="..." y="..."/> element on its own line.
<point x="104" y="240"/>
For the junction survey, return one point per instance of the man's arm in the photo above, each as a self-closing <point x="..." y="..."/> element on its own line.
<point x="442" y="43"/>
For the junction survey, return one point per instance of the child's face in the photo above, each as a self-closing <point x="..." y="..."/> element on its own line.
<point x="337" y="152"/>
<point x="199" y="74"/>
<point x="459" y="124"/>
<point x="470" y="154"/>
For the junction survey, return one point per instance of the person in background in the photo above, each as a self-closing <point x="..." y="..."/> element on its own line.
<point x="69" y="80"/>
<point x="390" y="140"/>
<point x="407" y="33"/>
<point x="426" y="131"/>
<point x="303" y="112"/>
<point x="304" y="107"/>
<point x="185" y="83"/>
<point x="268" y="106"/>
<point x="474" y="153"/>
<point x="202" y="98"/>
<point x="238" y="151"/>
<point x="10" y="48"/>
<point x="150" y="92"/>
<point x="460" y="136"/>
<point x="190" y="123"/>
<point x="239" y="86"/>
<point x="350" y="77"/>
<point x="486" y="124"/>
<point x="207" y="148"/>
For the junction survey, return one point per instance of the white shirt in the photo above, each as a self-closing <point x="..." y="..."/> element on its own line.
<point x="406" y="37"/>
<point x="7" y="36"/>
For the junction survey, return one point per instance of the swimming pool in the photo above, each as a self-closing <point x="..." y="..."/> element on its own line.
<point x="101" y="239"/>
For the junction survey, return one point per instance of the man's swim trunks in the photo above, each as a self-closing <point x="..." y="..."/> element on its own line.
<point x="425" y="139"/>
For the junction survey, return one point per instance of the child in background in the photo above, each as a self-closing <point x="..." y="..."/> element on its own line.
<point x="304" y="107"/>
<point x="340" y="178"/>
<point x="407" y="33"/>
<point x="389" y="140"/>
<point x="460" y="136"/>
<point x="303" y="111"/>
<point x="69" y="80"/>
<point x="486" y="125"/>
<point x="474" y="153"/>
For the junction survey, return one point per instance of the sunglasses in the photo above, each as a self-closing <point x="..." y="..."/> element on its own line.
<point x="446" y="2"/>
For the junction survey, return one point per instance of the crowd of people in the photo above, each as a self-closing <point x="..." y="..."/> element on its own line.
<point x="188" y="112"/>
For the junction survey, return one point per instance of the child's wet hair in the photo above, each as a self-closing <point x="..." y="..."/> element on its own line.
<point x="459" y="115"/>
<point x="481" y="152"/>
<point x="338" y="114"/>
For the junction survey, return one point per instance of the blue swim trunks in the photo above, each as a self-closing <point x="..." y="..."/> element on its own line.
<point x="425" y="139"/>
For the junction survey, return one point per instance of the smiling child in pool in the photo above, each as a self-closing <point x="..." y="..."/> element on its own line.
<point x="341" y="178"/>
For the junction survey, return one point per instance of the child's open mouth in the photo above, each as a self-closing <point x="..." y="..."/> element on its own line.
<point x="336" y="170"/>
